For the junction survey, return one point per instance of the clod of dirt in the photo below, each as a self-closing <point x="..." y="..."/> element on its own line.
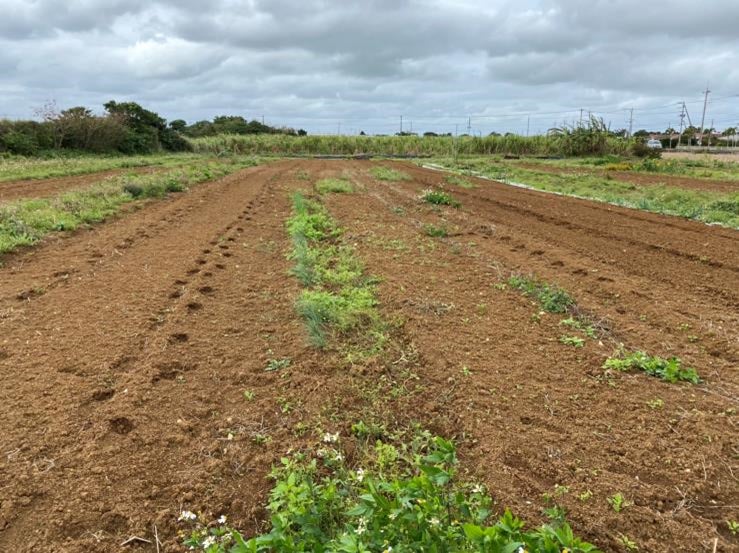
<point x="28" y="294"/>
<point x="121" y="425"/>
<point x="206" y="290"/>
<point x="194" y="306"/>
<point x="178" y="338"/>
<point x="102" y="395"/>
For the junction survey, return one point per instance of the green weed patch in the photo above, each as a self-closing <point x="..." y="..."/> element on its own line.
<point x="670" y="370"/>
<point x="551" y="298"/>
<point x="385" y="173"/>
<point x="337" y="186"/>
<point x="401" y="496"/>
<point x="25" y="222"/>
<point x="439" y="197"/>
<point x="339" y="298"/>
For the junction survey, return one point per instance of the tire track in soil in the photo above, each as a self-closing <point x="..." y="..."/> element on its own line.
<point x="532" y="411"/>
<point x="122" y="385"/>
<point x="44" y="188"/>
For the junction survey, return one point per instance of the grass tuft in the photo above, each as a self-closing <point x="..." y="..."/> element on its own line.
<point x="337" y="186"/>
<point x="385" y="173"/>
<point x="551" y="298"/>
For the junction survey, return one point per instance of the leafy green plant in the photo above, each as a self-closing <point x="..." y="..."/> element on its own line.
<point x="278" y="364"/>
<point x="404" y="497"/>
<point x="574" y="341"/>
<point x="439" y="197"/>
<point x="629" y="544"/>
<point x="338" y="186"/>
<point x="381" y="172"/>
<point x="551" y="298"/>
<point x="733" y="526"/>
<point x="580" y="324"/>
<point x="670" y="370"/>
<point x="656" y="403"/>
<point x="248" y="395"/>
<point x="434" y="231"/>
<point x="618" y="502"/>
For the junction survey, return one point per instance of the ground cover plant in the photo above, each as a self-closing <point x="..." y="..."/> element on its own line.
<point x="25" y="222"/>
<point x="402" y="495"/>
<point x="670" y="370"/>
<point x="702" y="205"/>
<point x="339" y="297"/>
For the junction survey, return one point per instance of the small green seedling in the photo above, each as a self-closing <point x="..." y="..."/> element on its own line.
<point x="574" y="341"/>
<point x="618" y="502"/>
<point x="439" y="197"/>
<point x="277" y="364"/>
<point x="248" y="395"/>
<point x="656" y="403"/>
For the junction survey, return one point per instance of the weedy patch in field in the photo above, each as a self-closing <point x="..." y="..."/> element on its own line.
<point x="460" y="181"/>
<point x="670" y="370"/>
<point x="336" y="186"/>
<point x="434" y="231"/>
<point x="551" y="298"/>
<point x="403" y="494"/>
<point x="385" y="173"/>
<point x="439" y="197"/>
<point x="338" y="297"/>
<point x="25" y="222"/>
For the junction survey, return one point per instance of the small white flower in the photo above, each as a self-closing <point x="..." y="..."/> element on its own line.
<point x="207" y="542"/>
<point x="360" y="474"/>
<point x="478" y="488"/>
<point x="338" y="457"/>
<point x="434" y="521"/>
<point x="389" y="549"/>
<point x="222" y="519"/>
<point x="362" y="526"/>
<point x="187" y="515"/>
<point x="330" y="438"/>
<point x="392" y="516"/>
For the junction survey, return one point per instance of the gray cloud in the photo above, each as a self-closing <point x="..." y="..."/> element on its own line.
<point x="318" y="63"/>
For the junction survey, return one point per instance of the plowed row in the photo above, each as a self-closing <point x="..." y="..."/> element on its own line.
<point x="125" y="352"/>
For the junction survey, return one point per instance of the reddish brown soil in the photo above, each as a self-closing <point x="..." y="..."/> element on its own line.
<point x="43" y="188"/>
<point x="125" y="351"/>
<point x="641" y="179"/>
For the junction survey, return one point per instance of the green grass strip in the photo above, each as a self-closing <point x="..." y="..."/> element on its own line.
<point x="25" y="222"/>
<point x="339" y="299"/>
<point x="701" y="205"/>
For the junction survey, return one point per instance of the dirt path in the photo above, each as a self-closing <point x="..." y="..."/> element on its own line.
<point x="125" y="352"/>
<point x="43" y="188"/>
<point x="635" y="177"/>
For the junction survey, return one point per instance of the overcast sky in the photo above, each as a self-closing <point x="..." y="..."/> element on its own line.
<point x="362" y="64"/>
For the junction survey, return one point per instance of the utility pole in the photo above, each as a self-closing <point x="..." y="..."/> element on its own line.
<point x="703" y="119"/>
<point x="528" y="121"/>
<point x="580" y="123"/>
<point x="469" y="125"/>
<point x="631" y="121"/>
<point x="401" y="124"/>
<point x="682" y="123"/>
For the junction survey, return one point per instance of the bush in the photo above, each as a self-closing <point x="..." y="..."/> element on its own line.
<point x="640" y="149"/>
<point x="134" y="190"/>
<point x="20" y="143"/>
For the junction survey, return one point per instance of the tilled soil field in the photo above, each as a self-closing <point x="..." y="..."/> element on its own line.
<point x="125" y="352"/>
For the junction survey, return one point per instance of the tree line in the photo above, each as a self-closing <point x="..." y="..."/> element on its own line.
<point x="124" y="127"/>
